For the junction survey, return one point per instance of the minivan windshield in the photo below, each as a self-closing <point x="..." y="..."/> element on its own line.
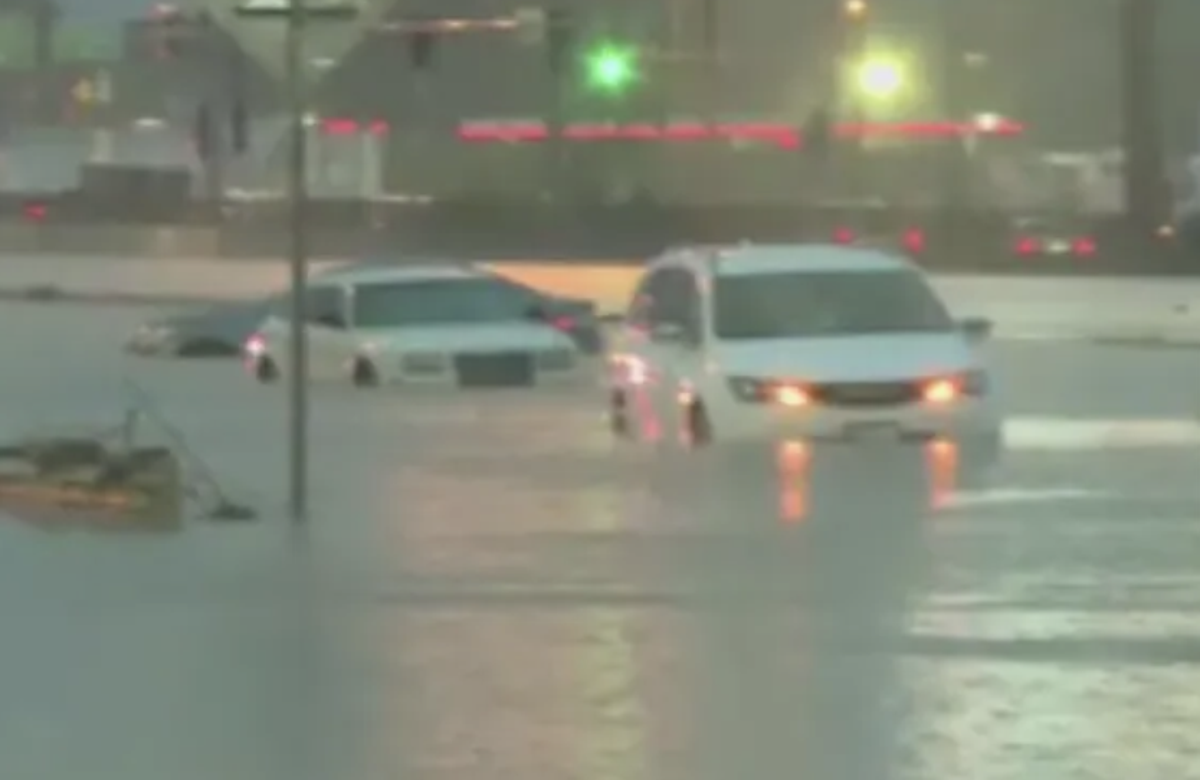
<point x="826" y="304"/>
<point x="438" y="302"/>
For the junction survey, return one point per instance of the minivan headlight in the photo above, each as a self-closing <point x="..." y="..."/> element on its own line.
<point x="762" y="391"/>
<point x="949" y="389"/>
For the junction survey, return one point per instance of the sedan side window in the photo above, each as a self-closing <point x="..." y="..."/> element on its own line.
<point x="326" y="306"/>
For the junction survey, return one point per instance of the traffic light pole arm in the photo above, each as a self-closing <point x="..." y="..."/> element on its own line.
<point x="449" y="25"/>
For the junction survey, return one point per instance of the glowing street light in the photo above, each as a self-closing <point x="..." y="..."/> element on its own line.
<point x="855" y="9"/>
<point x="881" y="79"/>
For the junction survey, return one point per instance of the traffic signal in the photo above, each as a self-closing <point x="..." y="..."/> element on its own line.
<point x="172" y="31"/>
<point x="420" y="49"/>
<point x="167" y="44"/>
<point x="560" y="40"/>
<point x="612" y="68"/>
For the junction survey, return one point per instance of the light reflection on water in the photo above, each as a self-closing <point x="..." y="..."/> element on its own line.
<point x="797" y="670"/>
<point x="776" y="662"/>
<point x="505" y="593"/>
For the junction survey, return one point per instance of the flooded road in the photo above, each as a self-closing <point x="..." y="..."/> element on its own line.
<point x="492" y="588"/>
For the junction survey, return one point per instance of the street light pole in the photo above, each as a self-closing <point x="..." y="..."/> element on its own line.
<point x="298" y="267"/>
<point x="297" y="16"/>
<point x="854" y="64"/>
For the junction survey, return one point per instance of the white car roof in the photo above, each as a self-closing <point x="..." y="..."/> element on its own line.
<point x="752" y="259"/>
<point x="392" y="274"/>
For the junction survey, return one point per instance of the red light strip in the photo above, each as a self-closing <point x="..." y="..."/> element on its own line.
<point x="785" y="136"/>
<point x="353" y="127"/>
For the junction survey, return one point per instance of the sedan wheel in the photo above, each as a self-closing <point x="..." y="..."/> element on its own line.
<point x="265" y="371"/>
<point x="364" y="374"/>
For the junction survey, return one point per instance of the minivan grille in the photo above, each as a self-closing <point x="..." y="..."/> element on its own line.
<point x="867" y="393"/>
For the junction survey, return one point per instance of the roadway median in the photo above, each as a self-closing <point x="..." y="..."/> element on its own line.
<point x="1130" y="312"/>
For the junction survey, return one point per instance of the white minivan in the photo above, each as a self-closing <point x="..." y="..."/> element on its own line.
<point x="752" y="343"/>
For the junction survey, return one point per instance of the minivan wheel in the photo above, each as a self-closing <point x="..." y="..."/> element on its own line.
<point x="364" y="374"/>
<point x="265" y="371"/>
<point x="698" y="426"/>
<point x="618" y="415"/>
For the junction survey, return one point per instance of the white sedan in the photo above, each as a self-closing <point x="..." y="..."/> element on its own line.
<point x="778" y="343"/>
<point x="418" y="326"/>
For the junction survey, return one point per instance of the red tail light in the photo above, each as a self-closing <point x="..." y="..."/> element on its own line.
<point x="843" y="236"/>
<point x="563" y="323"/>
<point x="35" y="212"/>
<point x="1083" y="247"/>
<point x="914" y="240"/>
<point x="1027" y="246"/>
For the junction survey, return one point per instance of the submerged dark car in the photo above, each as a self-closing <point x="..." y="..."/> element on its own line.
<point x="575" y="317"/>
<point x="218" y="331"/>
<point x="578" y="319"/>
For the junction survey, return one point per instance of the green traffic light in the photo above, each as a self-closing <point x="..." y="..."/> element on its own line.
<point x="612" y="68"/>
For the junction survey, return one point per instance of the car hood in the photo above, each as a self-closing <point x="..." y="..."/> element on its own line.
<point x="851" y="358"/>
<point x="491" y="337"/>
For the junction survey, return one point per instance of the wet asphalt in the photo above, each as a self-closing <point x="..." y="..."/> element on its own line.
<point x="490" y="587"/>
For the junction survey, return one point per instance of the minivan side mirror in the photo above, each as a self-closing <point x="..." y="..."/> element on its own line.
<point x="976" y="328"/>
<point x="667" y="332"/>
<point x="673" y="333"/>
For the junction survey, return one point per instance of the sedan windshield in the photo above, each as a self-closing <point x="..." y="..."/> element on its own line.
<point x="824" y="304"/>
<point x="438" y="302"/>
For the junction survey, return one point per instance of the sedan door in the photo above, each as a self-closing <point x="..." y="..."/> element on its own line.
<point x="325" y="333"/>
<point x="330" y="340"/>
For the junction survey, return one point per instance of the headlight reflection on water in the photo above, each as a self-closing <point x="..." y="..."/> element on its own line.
<point x="793" y="465"/>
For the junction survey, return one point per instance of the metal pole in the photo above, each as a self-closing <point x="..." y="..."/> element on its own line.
<point x="953" y="160"/>
<point x="1140" y="117"/>
<point x="298" y="192"/>
<point x="712" y="63"/>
